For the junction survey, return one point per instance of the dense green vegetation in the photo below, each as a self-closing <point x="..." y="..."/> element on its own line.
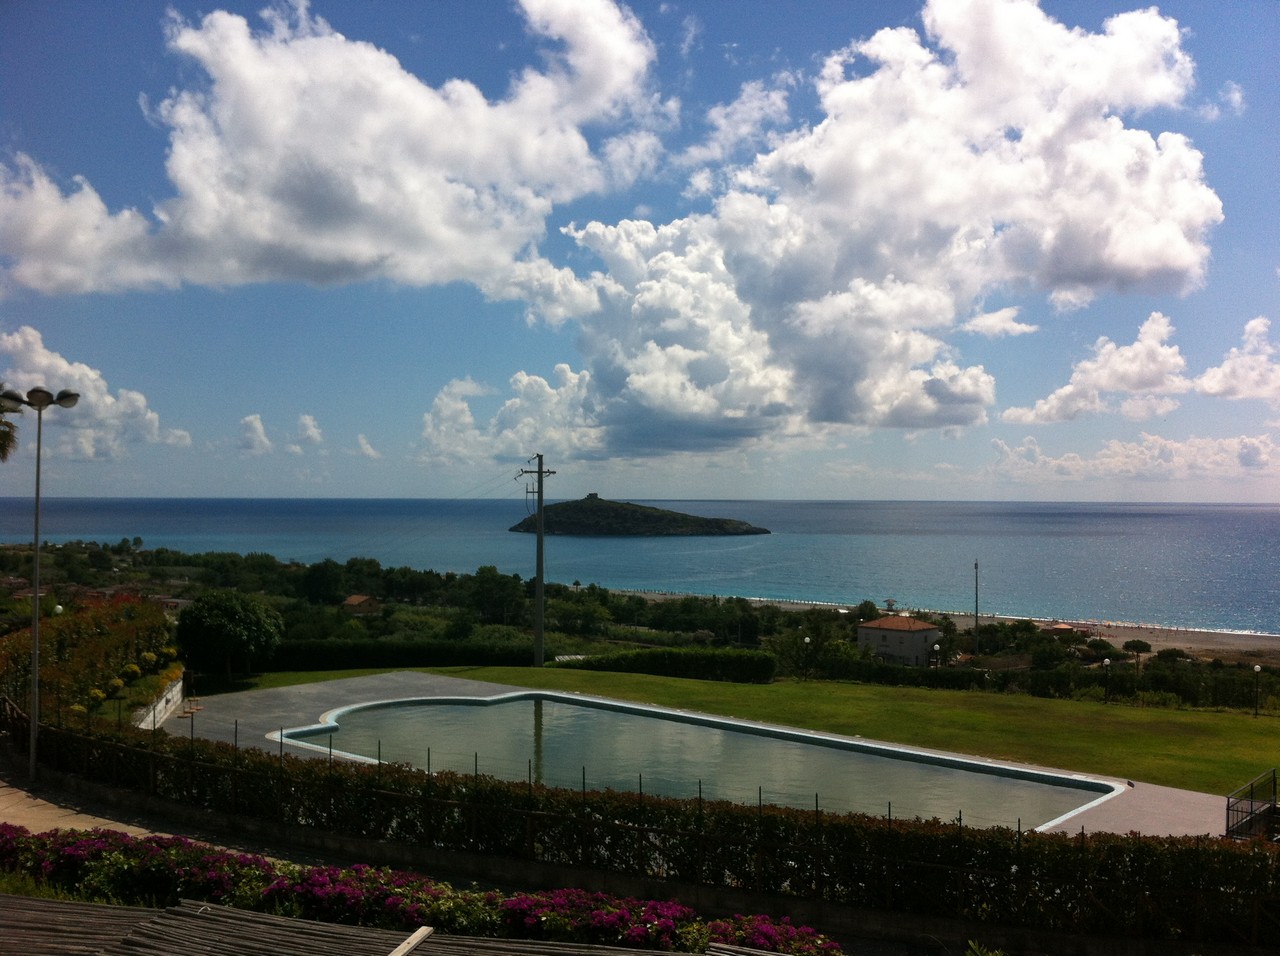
<point x="1029" y="696"/>
<point x="421" y="618"/>
<point x="95" y="662"/>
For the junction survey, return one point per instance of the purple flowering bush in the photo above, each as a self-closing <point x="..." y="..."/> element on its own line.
<point x="110" y="866"/>
<point x="114" y="867"/>
<point x="375" y="896"/>
<point x="584" y="917"/>
<point x="773" y="936"/>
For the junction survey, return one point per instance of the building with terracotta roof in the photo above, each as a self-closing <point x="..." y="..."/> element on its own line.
<point x="359" y="604"/>
<point x="900" y="639"/>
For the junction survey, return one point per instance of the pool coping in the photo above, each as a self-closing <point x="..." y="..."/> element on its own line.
<point x="1106" y="789"/>
<point x="251" y="716"/>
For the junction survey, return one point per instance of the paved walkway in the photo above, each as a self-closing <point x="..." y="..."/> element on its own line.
<point x="249" y="718"/>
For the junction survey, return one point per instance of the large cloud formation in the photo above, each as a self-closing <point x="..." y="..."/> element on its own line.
<point x="104" y="422"/>
<point x="821" y="287"/>
<point x="311" y="157"/>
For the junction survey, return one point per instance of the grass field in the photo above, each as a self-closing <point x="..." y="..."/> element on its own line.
<point x="1207" y="751"/>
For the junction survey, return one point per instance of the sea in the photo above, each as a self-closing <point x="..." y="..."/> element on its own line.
<point x="1196" y="566"/>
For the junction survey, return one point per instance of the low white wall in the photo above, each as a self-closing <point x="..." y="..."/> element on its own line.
<point x="162" y="709"/>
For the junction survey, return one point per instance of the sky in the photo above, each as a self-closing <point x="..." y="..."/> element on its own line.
<point x="730" y="249"/>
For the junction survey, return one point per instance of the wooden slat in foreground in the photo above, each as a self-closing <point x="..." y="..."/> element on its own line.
<point x="35" y="927"/>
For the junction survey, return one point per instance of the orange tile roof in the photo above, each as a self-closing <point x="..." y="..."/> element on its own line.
<point x="898" y="623"/>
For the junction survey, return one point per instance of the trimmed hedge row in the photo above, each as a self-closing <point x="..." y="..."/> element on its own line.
<point x="1199" y="889"/>
<point x="698" y="663"/>
<point x="346" y="655"/>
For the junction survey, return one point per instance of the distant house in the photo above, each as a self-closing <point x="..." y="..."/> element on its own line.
<point x="359" y="604"/>
<point x="900" y="639"/>
<point x="1064" y="630"/>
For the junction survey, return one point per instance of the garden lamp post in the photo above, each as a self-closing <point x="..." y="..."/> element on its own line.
<point x="1257" y="677"/>
<point x="1106" y="680"/>
<point x="38" y="398"/>
<point x="937" y="655"/>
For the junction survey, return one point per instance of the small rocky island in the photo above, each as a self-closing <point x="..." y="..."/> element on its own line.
<point x="594" y="515"/>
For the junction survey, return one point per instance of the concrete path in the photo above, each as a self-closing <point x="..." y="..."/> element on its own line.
<point x="249" y="718"/>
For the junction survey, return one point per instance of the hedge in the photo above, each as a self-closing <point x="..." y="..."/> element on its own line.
<point x="345" y="655"/>
<point x="1199" y="889"/>
<point x="698" y="663"/>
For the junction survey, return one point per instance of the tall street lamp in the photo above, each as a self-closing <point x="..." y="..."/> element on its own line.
<point x="38" y="398"/>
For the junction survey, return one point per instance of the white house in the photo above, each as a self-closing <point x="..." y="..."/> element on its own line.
<point x="899" y="639"/>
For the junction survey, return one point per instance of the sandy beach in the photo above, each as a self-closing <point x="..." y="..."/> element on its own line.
<point x="1227" y="646"/>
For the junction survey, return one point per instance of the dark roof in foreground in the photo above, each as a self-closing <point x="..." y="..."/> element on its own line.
<point x="39" y="927"/>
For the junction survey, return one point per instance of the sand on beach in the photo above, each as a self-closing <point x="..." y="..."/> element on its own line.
<point x="1227" y="646"/>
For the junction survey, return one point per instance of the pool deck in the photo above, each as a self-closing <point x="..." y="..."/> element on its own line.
<point x="250" y="717"/>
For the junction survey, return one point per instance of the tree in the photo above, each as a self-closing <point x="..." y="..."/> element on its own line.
<point x="866" y="611"/>
<point x="220" y="628"/>
<point x="1137" y="648"/>
<point x="323" y="583"/>
<point x="498" y="598"/>
<point x="8" y="432"/>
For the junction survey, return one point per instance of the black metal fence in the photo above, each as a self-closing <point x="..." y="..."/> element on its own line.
<point x="1190" y="889"/>
<point x="1251" y="810"/>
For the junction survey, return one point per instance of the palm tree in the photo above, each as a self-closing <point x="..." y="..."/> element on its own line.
<point x="8" y="432"/>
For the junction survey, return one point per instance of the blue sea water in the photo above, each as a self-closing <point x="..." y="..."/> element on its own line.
<point x="1212" y="566"/>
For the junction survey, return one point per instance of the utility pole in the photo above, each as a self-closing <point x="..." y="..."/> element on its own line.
<point x="539" y="585"/>
<point x="975" y="609"/>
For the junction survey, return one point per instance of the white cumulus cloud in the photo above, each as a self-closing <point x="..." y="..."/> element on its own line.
<point x="103" y="423"/>
<point x="540" y="416"/>
<point x="1000" y="323"/>
<point x="309" y="433"/>
<point x="828" y="285"/>
<point x="1249" y="372"/>
<point x="1151" y="458"/>
<point x="307" y="156"/>
<point x="994" y="152"/>
<point x="253" y="436"/>
<point x="1147" y="372"/>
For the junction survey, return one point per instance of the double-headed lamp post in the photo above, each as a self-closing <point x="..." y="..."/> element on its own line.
<point x="10" y="401"/>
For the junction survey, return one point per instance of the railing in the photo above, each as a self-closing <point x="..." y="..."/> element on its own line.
<point x="1251" y="810"/>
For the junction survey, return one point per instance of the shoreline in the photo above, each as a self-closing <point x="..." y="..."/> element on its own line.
<point x="1252" y="647"/>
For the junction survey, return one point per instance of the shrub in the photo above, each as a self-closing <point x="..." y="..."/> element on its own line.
<point x="108" y="866"/>
<point x="697" y="663"/>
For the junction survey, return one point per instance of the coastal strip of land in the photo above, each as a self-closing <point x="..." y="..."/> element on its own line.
<point x="1228" y="646"/>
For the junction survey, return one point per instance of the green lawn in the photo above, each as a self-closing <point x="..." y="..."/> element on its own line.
<point x="1193" y="750"/>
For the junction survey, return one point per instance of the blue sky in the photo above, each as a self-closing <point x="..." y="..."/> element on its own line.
<point x="970" y="249"/>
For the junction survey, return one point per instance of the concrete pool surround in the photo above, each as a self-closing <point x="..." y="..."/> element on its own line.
<point x="248" y="718"/>
<point x="1095" y="791"/>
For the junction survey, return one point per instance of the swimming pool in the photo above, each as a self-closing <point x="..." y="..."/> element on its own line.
<point x="569" y="740"/>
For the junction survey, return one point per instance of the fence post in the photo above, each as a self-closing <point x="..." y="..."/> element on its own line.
<point x="759" y="881"/>
<point x="235" y="767"/>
